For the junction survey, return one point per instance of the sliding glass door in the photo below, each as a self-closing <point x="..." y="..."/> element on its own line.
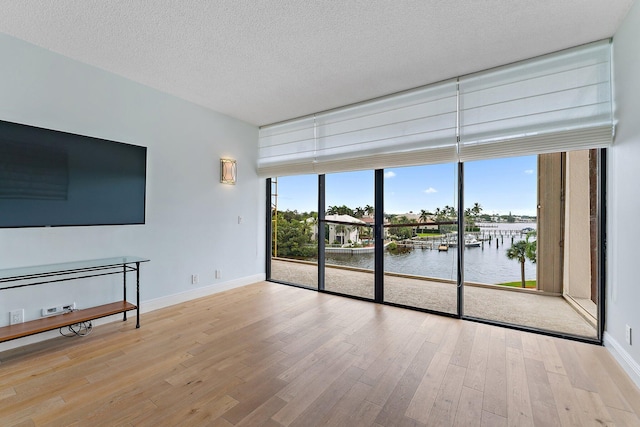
<point x="420" y="262"/>
<point x="294" y="230"/>
<point x="349" y="234"/>
<point x="536" y="220"/>
<point x="522" y="250"/>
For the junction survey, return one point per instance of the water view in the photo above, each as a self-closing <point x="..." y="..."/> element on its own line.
<point x="488" y="264"/>
<point x="553" y="192"/>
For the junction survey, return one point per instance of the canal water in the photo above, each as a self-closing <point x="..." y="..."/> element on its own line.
<point x="483" y="265"/>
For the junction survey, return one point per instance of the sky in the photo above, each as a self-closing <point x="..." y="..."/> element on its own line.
<point x="500" y="186"/>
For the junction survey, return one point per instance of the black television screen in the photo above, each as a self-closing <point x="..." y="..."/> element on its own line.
<point x="50" y="178"/>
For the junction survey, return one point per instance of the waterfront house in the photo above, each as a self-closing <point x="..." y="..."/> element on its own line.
<point x="345" y="233"/>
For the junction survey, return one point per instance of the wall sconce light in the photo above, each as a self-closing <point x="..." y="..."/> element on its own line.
<point x="228" y="171"/>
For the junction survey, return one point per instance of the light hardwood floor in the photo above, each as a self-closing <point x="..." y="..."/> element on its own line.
<point x="268" y="354"/>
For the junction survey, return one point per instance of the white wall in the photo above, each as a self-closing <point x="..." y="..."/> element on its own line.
<point x="191" y="219"/>
<point x="623" y="200"/>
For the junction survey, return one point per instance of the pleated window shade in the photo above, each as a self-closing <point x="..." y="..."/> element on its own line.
<point x="288" y="148"/>
<point x="411" y="128"/>
<point x="558" y="102"/>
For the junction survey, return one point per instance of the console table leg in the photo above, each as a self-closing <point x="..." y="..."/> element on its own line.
<point x="137" y="294"/>
<point x="124" y="282"/>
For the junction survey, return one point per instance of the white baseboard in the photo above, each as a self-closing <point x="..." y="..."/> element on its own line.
<point x="145" y="307"/>
<point x="204" y="291"/>
<point x="631" y="367"/>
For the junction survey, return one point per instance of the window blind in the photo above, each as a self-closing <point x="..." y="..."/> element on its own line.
<point x="288" y="148"/>
<point x="558" y="102"/>
<point x="416" y="127"/>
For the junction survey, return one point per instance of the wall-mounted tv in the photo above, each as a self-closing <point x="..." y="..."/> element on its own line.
<point x="50" y="178"/>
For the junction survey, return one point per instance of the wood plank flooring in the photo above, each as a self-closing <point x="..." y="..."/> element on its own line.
<point x="272" y="355"/>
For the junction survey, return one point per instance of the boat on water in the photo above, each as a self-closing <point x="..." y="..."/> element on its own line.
<point x="443" y="247"/>
<point x="469" y="242"/>
<point x="472" y="243"/>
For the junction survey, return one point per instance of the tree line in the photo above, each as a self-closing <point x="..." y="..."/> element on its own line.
<point x="445" y="213"/>
<point x="295" y="230"/>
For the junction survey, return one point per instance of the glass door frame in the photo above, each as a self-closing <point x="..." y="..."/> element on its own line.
<point x="379" y="252"/>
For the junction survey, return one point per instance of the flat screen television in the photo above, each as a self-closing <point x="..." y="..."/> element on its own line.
<point x="50" y="178"/>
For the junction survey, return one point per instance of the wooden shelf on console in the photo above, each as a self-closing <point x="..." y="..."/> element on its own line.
<point x="54" y="322"/>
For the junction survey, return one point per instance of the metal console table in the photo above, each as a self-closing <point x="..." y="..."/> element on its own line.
<point x="41" y="274"/>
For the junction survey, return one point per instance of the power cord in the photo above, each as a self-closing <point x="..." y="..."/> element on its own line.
<point x="81" y="329"/>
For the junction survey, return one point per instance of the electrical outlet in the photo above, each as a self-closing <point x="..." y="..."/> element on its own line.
<point x="17" y="316"/>
<point x="628" y="334"/>
<point x="218" y="274"/>
<point x="195" y="279"/>
<point x="239" y="219"/>
<point x="58" y="309"/>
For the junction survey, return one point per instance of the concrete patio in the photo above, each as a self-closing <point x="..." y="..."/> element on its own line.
<point x="509" y="305"/>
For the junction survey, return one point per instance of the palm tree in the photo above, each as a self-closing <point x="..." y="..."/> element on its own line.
<point x="344" y="210"/>
<point x="449" y="212"/>
<point x="467" y="219"/>
<point x="333" y="210"/>
<point x="476" y="209"/>
<point x="521" y="251"/>
<point x="424" y="215"/>
<point x="518" y="251"/>
<point x="364" y="232"/>
<point x="369" y="210"/>
<point x="532" y="247"/>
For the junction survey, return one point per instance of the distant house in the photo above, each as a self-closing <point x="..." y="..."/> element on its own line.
<point x="431" y="225"/>
<point x="344" y="233"/>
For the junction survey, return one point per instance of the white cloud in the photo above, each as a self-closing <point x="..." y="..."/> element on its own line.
<point x="389" y="174"/>
<point x="529" y="171"/>
<point x="430" y="190"/>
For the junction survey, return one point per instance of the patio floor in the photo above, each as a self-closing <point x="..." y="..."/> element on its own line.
<point x="551" y="313"/>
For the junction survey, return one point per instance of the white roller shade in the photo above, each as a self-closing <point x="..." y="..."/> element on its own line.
<point x="558" y="102"/>
<point x="416" y="127"/>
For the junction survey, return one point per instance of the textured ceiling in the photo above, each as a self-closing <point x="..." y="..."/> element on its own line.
<point x="264" y="61"/>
